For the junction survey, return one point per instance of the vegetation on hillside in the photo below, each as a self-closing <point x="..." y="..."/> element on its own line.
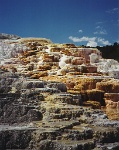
<point x="110" y="51"/>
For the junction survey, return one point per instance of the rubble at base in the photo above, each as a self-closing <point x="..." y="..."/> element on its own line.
<point x="51" y="97"/>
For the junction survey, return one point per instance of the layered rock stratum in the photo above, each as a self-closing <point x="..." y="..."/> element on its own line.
<point x="57" y="96"/>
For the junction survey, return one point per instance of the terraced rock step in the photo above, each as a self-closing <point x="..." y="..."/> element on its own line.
<point x="67" y="145"/>
<point x="15" y="139"/>
<point x="51" y="96"/>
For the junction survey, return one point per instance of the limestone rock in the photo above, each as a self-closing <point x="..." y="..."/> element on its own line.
<point x="78" y="61"/>
<point x="8" y="36"/>
<point x="94" y="58"/>
<point x="17" y="139"/>
<point x="69" y="45"/>
<point x="60" y="86"/>
<point x="112" y="96"/>
<point x="111" y="86"/>
<point x="96" y="95"/>
<point x="51" y="95"/>
<point x="109" y="66"/>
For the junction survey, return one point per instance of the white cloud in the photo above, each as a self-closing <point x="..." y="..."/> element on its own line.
<point x="91" y="41"/>
<point x="103" y="41"/>
<point x="114" y="10"/>
<point x="96" y="32"/>
<point x="80" y="31"/>
<point x="74" y="39"/>
<point x="101" y="32"/>
<point x="82" y="39"/>
<point x="92" y="44"/>
<point x="98" y="27"/>
<point x="99" y="22"/>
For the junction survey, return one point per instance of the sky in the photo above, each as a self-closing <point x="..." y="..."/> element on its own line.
<point x="82" y="22"/>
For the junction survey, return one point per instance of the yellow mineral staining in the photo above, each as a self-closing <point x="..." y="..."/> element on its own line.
<point x="66" y="63"/>
<point x="56" y="49"/>
<point x="93" y="104"/>
<point x="111" y="86"/>
<point x="39" y="40"/>
<point x="39" y="74"/>
<point x="44" y="67"/>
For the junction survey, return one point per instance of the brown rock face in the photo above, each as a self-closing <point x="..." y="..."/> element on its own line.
<point x="108" y="86"/>
<point x="91" y="69"/>
<point x="96" y="95"/>
<point x="111" y="89"/>
<point x="69" y="45"/>
<point x="85" y="83"/>
<point x="78" y="61"/>
<point x="112" y="96"/>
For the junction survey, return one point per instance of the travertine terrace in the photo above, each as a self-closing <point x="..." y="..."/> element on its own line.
<point x="51" y="96"/>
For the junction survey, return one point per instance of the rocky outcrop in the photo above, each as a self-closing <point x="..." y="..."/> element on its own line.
<point x="8" y="36"/>
<point x="53" y="96"/>
<point x="109" y="66"/>
<point x="96" y="95"/>
<point x="111" y="86"/>
<point x="111" y="89"/>
<point x="112" y="96"/>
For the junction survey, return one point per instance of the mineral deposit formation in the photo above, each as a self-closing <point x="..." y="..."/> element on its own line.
<point x="53" y="96"/>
